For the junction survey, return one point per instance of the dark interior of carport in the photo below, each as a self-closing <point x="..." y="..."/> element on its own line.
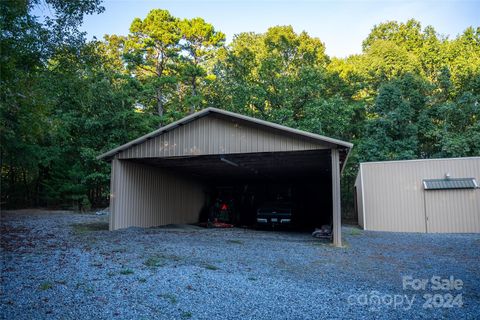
<point x="302" y="178"/>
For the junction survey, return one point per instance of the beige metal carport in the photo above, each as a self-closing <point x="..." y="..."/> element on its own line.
<point x="158" y="179"/>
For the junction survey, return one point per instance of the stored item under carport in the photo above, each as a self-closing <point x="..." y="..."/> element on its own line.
<point x="275" y="213"/>
<point x="325" y="232"/>
<point x="221" y="213"/>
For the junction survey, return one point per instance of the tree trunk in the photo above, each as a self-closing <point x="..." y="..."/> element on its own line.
<point x="194" y="95"/>
<point x="160" y="107"/>
<point x="26" y="193"/>
<point x="12" y="184"/>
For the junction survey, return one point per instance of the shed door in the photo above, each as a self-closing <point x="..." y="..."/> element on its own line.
<point x="453" y="210"/>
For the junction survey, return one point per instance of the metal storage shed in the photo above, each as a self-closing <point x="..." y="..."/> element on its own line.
<point x="434" y="195"/>
<point x="161" y="178"/>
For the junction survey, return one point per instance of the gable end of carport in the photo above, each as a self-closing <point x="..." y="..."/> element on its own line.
<point x="215" y="131"/>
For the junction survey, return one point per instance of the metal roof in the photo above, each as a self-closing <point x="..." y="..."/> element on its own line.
<point x="418" y="160"/>
<point x="207" y="111"/>
<point x="450" y="183"/>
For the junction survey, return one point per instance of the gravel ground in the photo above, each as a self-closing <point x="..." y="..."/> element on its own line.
<point x="63" y="265"/>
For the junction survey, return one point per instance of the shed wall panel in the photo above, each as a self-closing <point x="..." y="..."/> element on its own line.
<point x="453" y="210"/>
<point x="394" y="198"/>
<point x="146" y="196"/>
<point x="359" y="199"/>
<point x="211" y="135"/>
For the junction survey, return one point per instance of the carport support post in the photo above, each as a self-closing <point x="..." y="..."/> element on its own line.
<point x="337" y="213"/>
<point x="113" y="191"/>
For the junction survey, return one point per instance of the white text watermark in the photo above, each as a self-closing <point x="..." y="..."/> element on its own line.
<point x="433" y="292"/>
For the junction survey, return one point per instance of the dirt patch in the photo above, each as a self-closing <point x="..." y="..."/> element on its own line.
<point x="11" y="236"/>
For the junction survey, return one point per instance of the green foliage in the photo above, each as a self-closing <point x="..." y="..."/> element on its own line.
<point x="151" y="50"/>
<point x="200" y="42"/>
<point x="58" y="111"/>
<point x="410" y="94"/>
<point x="126" y="272"/>
<point x="169" y="57"/>
<point x="272" y="75"/>
<point x="45" y="286"/>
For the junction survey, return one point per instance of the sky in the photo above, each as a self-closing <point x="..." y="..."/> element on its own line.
<point x="341" y="25"/>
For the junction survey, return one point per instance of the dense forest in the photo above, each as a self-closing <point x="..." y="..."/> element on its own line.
<point x="411" y="93"/>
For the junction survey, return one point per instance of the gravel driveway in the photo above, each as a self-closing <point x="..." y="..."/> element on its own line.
<point x="63" y="265"/>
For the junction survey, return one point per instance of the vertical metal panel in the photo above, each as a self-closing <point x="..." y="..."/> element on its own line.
<point x="336" y="205"/>
<point x="394" y="198"/>
<point x="113" y="190"/>
<point x="359" y="198"/>
<point x="147" y="196"/>
<point x="211" y="135"/>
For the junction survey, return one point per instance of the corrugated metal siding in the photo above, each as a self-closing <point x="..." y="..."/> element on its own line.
<point x="113" y="193"/>
<point x="358" y="186"/>
<point x="449" y="183"/>
<point x="394" y="199"/>
<point x="211" y="135"/>
<point x="147" y="196"/>
<point x="453" y="210"/>
<point x="336" y="202"/>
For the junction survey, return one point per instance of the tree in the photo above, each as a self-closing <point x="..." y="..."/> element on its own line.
<point x="273" y="75"/>
<point x="407" y="35"/>
<point x="152" y="50"/>
<point x="27" y="46"/>
<point x="200" y="41"/>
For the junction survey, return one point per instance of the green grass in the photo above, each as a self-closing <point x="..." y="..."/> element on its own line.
<point x="45" y="286"/>
<point x="119" y="250"/>
<point x="81" y="228"/>
<point x="85" y="286"/>
<point x="170" y="297"/>
<point x="355" y="232"/>
<point x="211" y="267"/>
<point x="97" y="264"/>
<point x="160" y="260"/>
<point x="234" y="241"/>
<point x="126" y="272"/>
<point x="154" y="262"/>
<point x="88" y="289"/>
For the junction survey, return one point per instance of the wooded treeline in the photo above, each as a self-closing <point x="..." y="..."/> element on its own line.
<point x="411" y="93"/>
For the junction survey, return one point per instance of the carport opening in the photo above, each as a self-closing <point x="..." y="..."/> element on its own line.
<point x="251" y="182"/>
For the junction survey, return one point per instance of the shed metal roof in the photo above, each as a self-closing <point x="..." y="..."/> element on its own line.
<point x="450" y="183"/>
<point x="207" y="111"/>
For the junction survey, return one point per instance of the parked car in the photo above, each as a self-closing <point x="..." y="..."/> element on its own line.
<point x="274" y="213"/>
